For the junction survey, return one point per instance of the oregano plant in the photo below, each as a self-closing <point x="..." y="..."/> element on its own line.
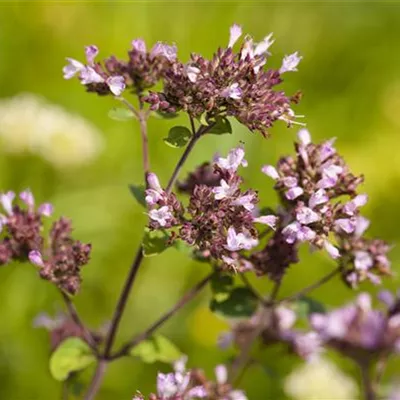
<point x="213" y="218"/>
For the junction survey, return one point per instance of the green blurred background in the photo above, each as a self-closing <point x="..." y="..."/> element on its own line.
<point x="350" y="77"/>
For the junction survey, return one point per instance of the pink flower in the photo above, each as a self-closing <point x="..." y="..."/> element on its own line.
<point x="224" y="191"/>
<point x="331" y="249"/>
<point x="139" y="45"/>
<point x="270" y="171"/>
<point x="6" y="201"/>
<point x="36" y="258"/>
<point x="45" y="209"/>
<point x="247" y="201"/>
<point x="351" y="207"/>
<point x="164" y="50"/>
<point x="74" y="67"/>
<point x="294" y="192"/>
<point x="233" y="91"/>
<point x="233" y="161"/>
<point x="27" y="197"/>
<point x="239" y="241"/>
<point x="162" y="215"/>
<point x="235" y="33"/>
<point x="91" y="52"/>
<point x="290" y="63"/>
<point x="269" y="220"/>
<point x="116" y="84"/>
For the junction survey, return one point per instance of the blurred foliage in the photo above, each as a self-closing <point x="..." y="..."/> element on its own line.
<point x="351" y="84"/>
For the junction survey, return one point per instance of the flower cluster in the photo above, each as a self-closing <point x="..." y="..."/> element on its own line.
<point x="219" y="220"/>
<point x="359" y="331"/>
<point x="229" y="84"/>
<point x="311" y="187"/>
<point x="142" y="70"/>
<point x="23" y="240"/>
<point x="273" y="326"/>
<point x="193" y="384"/>
<point x="21" y="226"/>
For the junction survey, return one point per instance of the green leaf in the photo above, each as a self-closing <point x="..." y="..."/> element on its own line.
<point x="221" y="286"/>
<point x="163" y="115"/>
<point x="121" y="114"/>
<point x="240" y="303"/>
<point x="202" y="119"/>
<point x="155" y="242"/>
<point x="73" y="354"/>
<point x="138" y="192"/>
<point x="222" y="126"/>
<point x="306" y="306"/>
<point x="178" y="136"/>
<point x="157" y="348"/>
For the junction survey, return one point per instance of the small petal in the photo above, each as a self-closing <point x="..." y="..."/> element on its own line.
<point x="289" y="181"/>
<point x="162" y="215"/>
<point x="36" y="258"/>
<point x="91" y="53"/>
<point x="46" y="209"/>
<point x="233" y="91"/>
<point x="233" y="161"/>
<point x="351" y="207"/>
<point x="139" y="45"/>
<point x="306" y="216"/>
<point x="27" y="197"/>
<point x="363" y="260"/>
<point x="306" y="234"/>
<point x="153" y="182"/>
<point x="247" y="201"/>
<point x="327" y="150"/>
<point x="239" y="241"/>
<point x="235" y="33"/>
<point x="317" y="198"/>
<point x="362" y="225"/>
<point x="198" y="392"/>
<point x="345" y="224"/>
<point x="304" y="136"/>
<point x="290" y="63"/>
<point x="269" y="220"/>
<point x="262" y="47"/>
<point x="293" y="193"/>
<point x="364" y="302"/>
<point x="72" y="68"/>
<point x="88" y="75"/>
<point x="116" y="84"/>
<point x="224" y="191"/>
<point x="6" y="201"/>
<point x="221" y="374"/>
<point x="192" y="72"/>
<point x="290" y="232"/>
<point x="331" y="249"/>
<point x="164" y="50"/>
<point x="327" y="182"/>
<point x="270" y="171"/>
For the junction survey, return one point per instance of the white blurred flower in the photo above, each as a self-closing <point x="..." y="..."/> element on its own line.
<point x="313" y="381"/>
<point x="28" y="124"/>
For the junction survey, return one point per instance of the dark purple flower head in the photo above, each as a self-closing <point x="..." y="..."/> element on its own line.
<point x="221" y="217"/>
<point x="62" y="261"/>
<point x="229" y="84"/>
<point x="359" y="331"/>
<point x="21" y="226"/>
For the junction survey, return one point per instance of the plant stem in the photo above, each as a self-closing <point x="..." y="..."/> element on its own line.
<point x="119" y="310"/>
<point x="75" y="317"/>
<point x="313" y="286"/>
<point x="97" y="379"/>
<point x="164" y="318"/>
<point x="367" y="381"/>
<point x="181" y="161"/>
